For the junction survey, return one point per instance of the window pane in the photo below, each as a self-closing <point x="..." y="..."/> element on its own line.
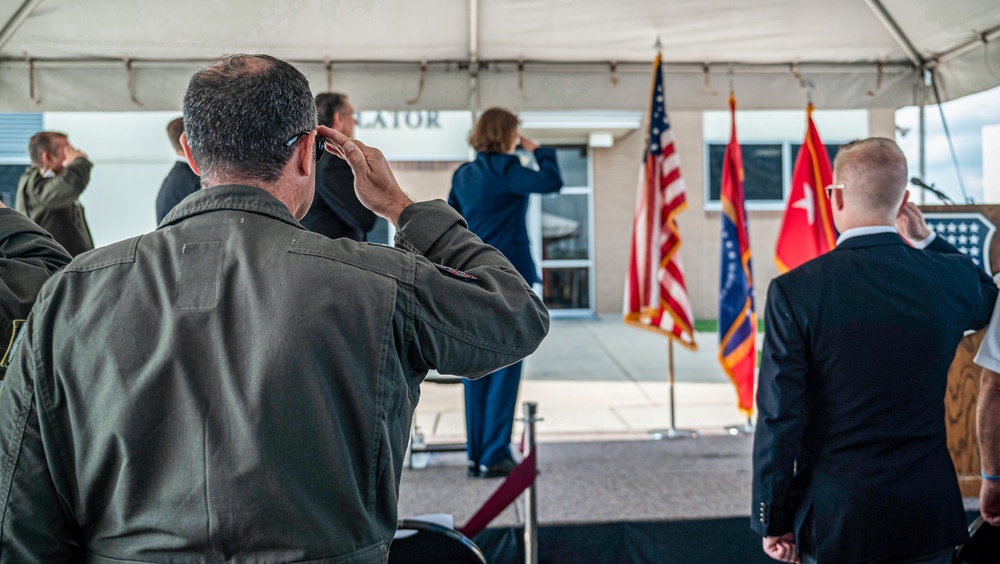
<point x="9" y="175"/>
<point x="566" y="288"/>
<point x="15" y="131"/>
<point x="715" y="154"/>
<point x="565" y="227"/>
<point x="761" y="167"/>
<point x="573" y="165"/>
<point x="831" y="150"/>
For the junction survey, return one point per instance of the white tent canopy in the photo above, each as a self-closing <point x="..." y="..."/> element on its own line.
<point x="525" y="54"/>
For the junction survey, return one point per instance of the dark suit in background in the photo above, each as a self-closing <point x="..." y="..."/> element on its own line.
<point x="492" y="193"/>
<point x="850" y="445"/>
<point x="336" y="211"/>
<point x="180" y="183"/>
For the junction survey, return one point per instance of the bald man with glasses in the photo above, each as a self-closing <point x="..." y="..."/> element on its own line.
<point x="850" y="459"/>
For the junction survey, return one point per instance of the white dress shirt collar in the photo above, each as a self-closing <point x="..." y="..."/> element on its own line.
<point x="867" y="230"/>
<point x="873" y="229"/>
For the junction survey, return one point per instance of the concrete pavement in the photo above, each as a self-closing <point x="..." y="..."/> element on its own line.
<point x="602" y="380"/>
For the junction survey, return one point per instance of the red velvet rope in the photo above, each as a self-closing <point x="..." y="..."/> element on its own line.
<point x="519" y="480"/>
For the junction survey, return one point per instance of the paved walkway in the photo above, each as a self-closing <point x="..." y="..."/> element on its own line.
<point x="603" y="380"/>
<point x="601" y="387"/>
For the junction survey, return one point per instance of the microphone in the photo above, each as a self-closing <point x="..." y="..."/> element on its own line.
<point x="941" y="195"/>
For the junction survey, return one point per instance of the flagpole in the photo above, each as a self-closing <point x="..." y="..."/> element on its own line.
<point x="672" y="432"/>
<point x="670" y="378"/>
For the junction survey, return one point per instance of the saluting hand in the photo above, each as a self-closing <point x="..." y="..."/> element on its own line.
<point x="910" y="223"/>
<point x="72" y="153"/>
<point x="374" y="183"/>
<point x="528" y="144"/>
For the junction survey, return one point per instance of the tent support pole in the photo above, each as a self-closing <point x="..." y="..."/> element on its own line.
<point x="983" y="38"/>
<point x="897" y="34"/>
<point x="19" y="17"/>
<point x="473" y="58"/>
<point x="922" y="150"/>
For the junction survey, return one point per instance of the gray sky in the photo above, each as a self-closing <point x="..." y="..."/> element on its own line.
<point x="966" y="118"/>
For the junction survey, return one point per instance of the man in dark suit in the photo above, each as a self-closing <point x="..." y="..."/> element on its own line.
<point x="336" y="211"/>
<point x="181" y="181"/>
<point x="850" y="459"/>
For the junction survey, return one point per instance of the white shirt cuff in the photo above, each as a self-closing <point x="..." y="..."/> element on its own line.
<point x="987" y="362"/>
<point x="922" y="244"/>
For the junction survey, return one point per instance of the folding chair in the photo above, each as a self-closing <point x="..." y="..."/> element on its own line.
<point x="983" y="546"/>
<point x="418" y="445"/>
<point x="432" y="544"/>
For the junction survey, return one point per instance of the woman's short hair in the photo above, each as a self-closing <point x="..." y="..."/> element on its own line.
<point x="494" y="131"/>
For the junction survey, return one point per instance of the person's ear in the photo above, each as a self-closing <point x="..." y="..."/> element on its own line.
<point x="838" y="199"/>
<point x="48" y="159"/>
<point x="906" y="198"/>
<point x="187" y="154"/>
<point x="303" y="155"/>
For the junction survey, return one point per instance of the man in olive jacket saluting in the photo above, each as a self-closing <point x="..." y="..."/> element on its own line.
<point x="232" y="387"/>
<point x="49" y="191"/>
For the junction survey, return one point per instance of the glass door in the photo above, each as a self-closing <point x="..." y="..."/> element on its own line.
<point x="562" y="233"/>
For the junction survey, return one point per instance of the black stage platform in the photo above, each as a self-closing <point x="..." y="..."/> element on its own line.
<point x="612" y="502"/>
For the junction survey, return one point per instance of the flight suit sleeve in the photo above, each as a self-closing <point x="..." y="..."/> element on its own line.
<point x="781" y="419"/>
<point x="471" y="322"/>
<point x="66" y="187"/>
<point x="36" y="524"/>
<point x="28" y="256"/>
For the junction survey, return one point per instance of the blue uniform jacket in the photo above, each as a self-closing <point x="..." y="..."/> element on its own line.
<point x="491" y="193"/>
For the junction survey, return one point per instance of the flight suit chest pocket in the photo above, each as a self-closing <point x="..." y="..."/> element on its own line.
<point x="200" y="274"/>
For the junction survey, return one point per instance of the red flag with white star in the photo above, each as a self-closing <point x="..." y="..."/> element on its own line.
<point x="807" y="229"/>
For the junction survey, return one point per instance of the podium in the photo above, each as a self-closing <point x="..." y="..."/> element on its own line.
<point x="971" y="229"/>
<point x="960" y="414"/>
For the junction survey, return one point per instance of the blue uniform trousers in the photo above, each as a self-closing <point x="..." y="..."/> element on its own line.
<point x="489" y="414"/>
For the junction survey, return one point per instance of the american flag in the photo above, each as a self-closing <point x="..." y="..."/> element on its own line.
<point x="656" y="297"/>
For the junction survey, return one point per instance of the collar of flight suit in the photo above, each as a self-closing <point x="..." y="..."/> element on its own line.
<point x="230" y="197"/>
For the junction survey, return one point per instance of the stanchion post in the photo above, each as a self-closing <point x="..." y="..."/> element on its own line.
<point x="530" y="502"/>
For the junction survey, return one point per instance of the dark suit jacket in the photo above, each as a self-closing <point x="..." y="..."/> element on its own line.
<point x="180" y="183"/>
<point x="492" y="192"/>
<point x="850" y="432"/>
<point x="336" y="211"/>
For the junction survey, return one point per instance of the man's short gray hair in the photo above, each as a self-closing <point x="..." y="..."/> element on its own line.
<point x="239" y="112"/>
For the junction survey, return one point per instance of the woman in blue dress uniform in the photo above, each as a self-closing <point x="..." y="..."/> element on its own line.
<point x="491" y="193"/>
